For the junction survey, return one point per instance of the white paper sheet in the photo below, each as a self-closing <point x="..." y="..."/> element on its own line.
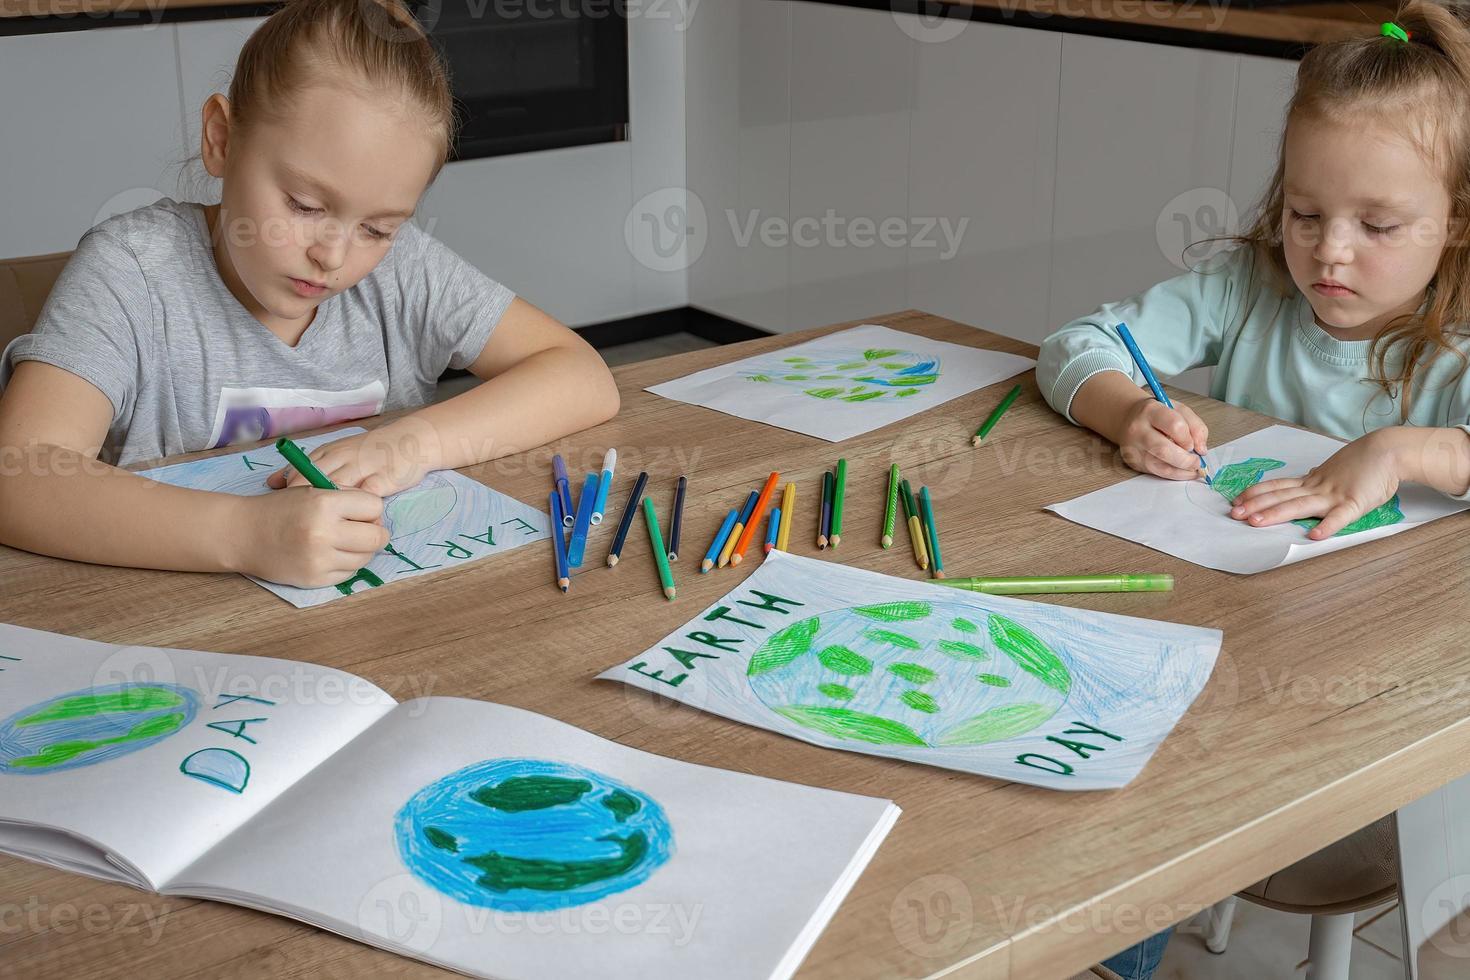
<point x="1191" y="520"/>
<point x="446" y="520"/>
<point x="698" y="872"/>
<point x="201" y="742"/>
<point x="850" y="659"/>
<point x="846" y="383"/>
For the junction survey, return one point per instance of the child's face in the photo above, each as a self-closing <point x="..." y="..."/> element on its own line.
<point x="316" y="199"/>
<point x="1365" y="221"/>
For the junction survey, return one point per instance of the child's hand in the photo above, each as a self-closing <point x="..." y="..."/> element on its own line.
<point x="1160" y="440"/>
<point x="311" y="538"/>
<point x="1354" y="480"/>
<point x="384" y="461"/>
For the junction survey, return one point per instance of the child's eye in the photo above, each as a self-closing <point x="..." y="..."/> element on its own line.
<point x="1379" y="229"/>
<point x="1302" y="217"/>
<point x="379" y="235"/>
<point x="298" y="207"/>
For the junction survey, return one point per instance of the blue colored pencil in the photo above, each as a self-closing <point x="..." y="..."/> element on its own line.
<point x="713" y="554"/>
<point x="609" y="463"/>
<point x="749" y="507"/>
<point x="616" y="551"/>
<point x="583" y="521"/>
<point x="1154" y="386"/>
<point x="558" y="545"/>
<point x="563" y="488"/>
<point x="677" y="521"/>
<point x="773" y="529"/>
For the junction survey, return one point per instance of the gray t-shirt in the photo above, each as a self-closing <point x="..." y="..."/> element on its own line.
<point x="140" y="311"/>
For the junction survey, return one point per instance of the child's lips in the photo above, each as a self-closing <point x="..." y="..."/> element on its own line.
<point x="307" y="288"/>
<point x="1328" y="288"/>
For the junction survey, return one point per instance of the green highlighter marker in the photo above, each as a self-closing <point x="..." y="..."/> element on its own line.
<point x="318" y="479"/>
<point x="1053" y="584"/>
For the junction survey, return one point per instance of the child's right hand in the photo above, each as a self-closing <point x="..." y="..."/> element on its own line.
<point x="310" y="538"/>
<point x="1162" y="441"/>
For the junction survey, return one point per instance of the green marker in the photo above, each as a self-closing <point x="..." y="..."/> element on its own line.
<point x="1000" y="410"/>
<point x="890" y="511"/>
<point x="838" y="489"/>
<point x="1053" y="584"/>
<point x="318" y="479"/>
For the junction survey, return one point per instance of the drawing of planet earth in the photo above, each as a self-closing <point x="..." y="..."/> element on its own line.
<point x="1230" y="481"/>
<point x="86" y="727"/>
<point x="853" y="376"/>
<point x="529" y="835"/>
<point x="419" y="509"/>
<point x="911" y="673"/>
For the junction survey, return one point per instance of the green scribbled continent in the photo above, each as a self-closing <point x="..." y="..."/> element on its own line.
<point x="61" y="752"/>
<point x="521" y="793"/>
<point x="848" y="724"/>
<point x="134" y="699"/>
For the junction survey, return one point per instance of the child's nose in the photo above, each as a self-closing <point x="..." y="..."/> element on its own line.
<point x="1335" y="247"/>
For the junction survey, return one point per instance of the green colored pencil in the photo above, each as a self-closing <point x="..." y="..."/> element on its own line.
<point x="1053" y="584"/>
<point x="890" y="510"/>
<point x="837" y="491"/>
<point x="656" y="542"/>
<point x="931" y="533"/>
<point x="1000" y="410"/>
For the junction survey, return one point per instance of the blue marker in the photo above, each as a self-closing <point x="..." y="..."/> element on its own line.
<point x="609" y="463"/>
<point x="583" y="521"/>
<point x="563" y="488"/>
<point x="1154" y="386"/>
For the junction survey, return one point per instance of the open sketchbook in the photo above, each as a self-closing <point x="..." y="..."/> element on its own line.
<point x="481" y="838"/>
<point x="1191" y="519"/>
<point x="845" y="383"/>
<point x="446" y="520"/>
<point x="851" y="659"/>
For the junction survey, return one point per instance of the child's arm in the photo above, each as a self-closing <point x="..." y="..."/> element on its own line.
<point x="1086" y="373"/>
<point x="540" y="382"/>
<point x="57" y="498"/>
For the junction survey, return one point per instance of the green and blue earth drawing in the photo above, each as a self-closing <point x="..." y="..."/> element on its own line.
<point x="853" y="375"/>
<point x="94" y="725"/>
<point x="522" y="835"/>
<point x="1230" y="481"/>
<point x="934" y="674"/>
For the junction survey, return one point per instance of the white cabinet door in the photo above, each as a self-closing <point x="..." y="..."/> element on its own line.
<point x="1265" y="89"/>
<point x="982" y="172"/>
<point x="208" y="51"/>
<point x="1144" y="144"/>
<point x="91" y="129"/>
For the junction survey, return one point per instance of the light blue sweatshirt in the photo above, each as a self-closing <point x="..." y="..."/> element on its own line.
<point x="1268" y="352"/>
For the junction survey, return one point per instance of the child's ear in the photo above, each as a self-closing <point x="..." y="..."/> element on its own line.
<point x="214" y="134"/>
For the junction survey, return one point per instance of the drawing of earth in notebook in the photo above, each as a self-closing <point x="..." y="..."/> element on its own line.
<point x="1230" y="480"/>
<point x="94" y="725"/>
<point x="850" y="375"/>
<point x="887" y="674"/>
<point x="522" y="835"/>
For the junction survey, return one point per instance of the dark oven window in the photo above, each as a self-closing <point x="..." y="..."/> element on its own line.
<point x="532" y="74"/>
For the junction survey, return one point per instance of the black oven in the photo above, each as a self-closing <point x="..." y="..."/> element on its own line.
<point x="532" y="74"/>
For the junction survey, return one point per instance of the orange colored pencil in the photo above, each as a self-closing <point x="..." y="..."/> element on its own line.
<point x="761" y="503"/>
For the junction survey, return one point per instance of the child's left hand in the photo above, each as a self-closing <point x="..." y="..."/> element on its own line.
<point x="390" y="458"/>
<point x="1354" y="480"/>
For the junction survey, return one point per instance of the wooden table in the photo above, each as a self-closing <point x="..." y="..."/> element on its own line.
<point x="1338" y="697"/>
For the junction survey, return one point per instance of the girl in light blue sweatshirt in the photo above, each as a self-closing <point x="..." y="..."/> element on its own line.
<point x="1345" y="307"/>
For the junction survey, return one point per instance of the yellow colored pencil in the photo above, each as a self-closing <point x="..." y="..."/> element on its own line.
<point x="788" y="504"/>
<point x="729" y="547"/>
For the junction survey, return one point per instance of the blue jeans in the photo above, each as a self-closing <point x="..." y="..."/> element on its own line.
<point x="1139" y="962"/>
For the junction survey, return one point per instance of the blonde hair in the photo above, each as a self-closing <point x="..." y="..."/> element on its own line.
<point x="1425" y="81"/>
<point x="313" y="41"/>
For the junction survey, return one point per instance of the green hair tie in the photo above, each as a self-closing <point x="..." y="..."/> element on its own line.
<point x="1390" y="29"/>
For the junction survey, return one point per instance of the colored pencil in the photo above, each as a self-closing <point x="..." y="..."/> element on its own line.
<point x="677" y="521"/>
<point x="713" y="554"/>
<point x="1054" y="584"/>
<point x="558" y="544"/>
<point x="563" y="487"/>
<point x="752" y="523"/>
<point x="583" y="521"/>
<point x="656" y="542"/>
<point x="890" y="508"/>
<point x="931" y="529"/>
<point x="318" y="479"/>
<point x="824" y="516"/>
<point x="629" y="510"/>
<point x="994" y="417"/>
<point x="729" y="547"/>
<point x="774" y="530"/>
<point x="609" y="463"/>
<point x="916" y="528"/>
<point x="1155" y="387"/>
<point x="788" y="507"/>
<point x="839" y="491"/>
